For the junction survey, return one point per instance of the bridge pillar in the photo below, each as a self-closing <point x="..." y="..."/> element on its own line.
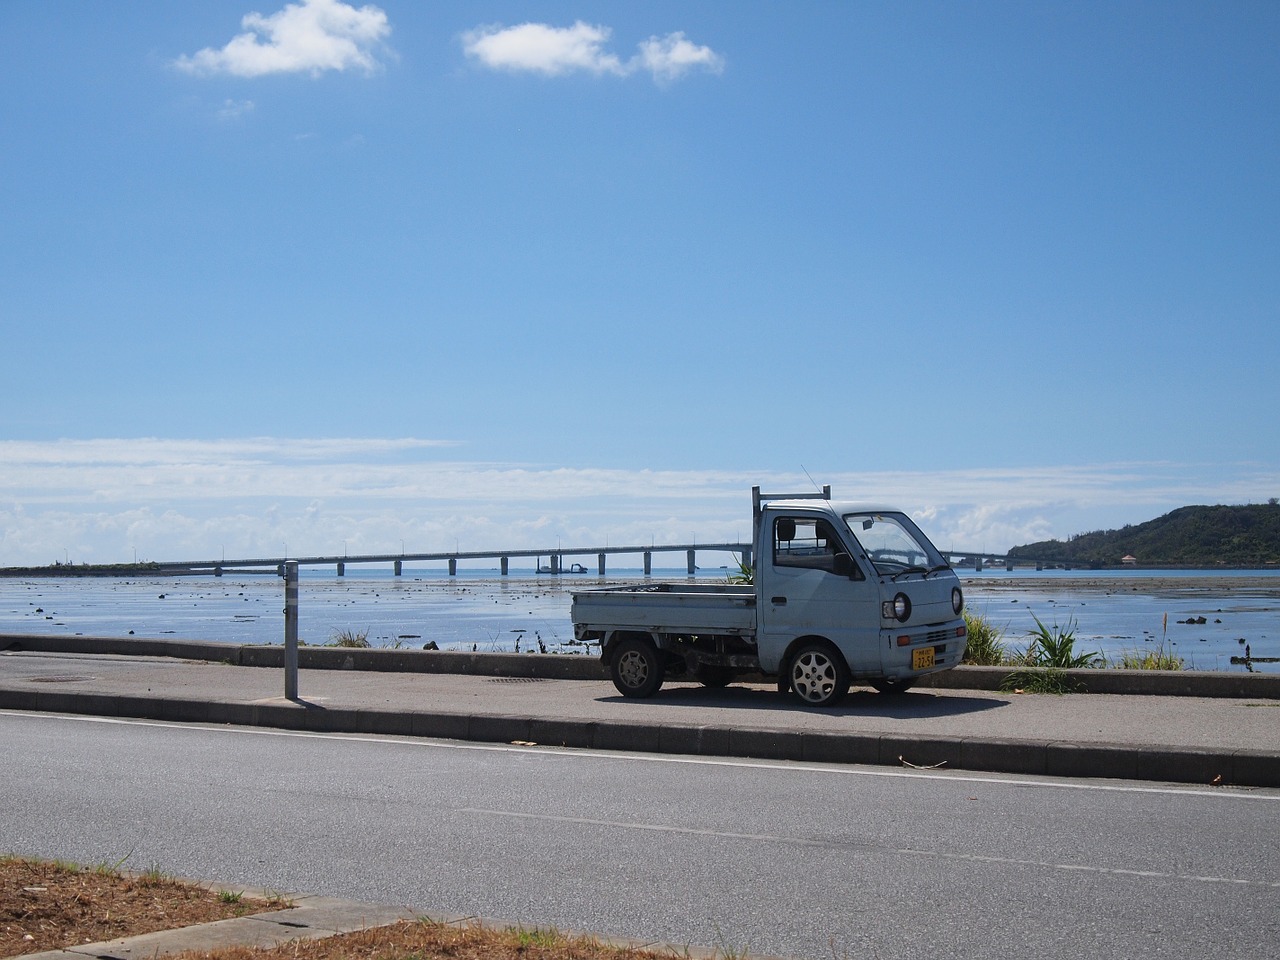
<point x="690" y="565"/>
<point x="977" y="565"/>
<point x="453" y="566"/>
<point x="557" y="563"/>
<point x="600" y="564"/>
<point x="648" y="562"/>
<point x="1008" y="566"/>
<point x="342" y="569"/>
<point x="217" y="571"/>
<point x="398" y="568"/>
<point x="1039" y="566"/>
<point x="502" y="563"/>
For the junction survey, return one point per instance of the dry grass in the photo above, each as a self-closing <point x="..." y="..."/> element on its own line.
<point x="424" y="940"/>
<point x="51" y="906"/>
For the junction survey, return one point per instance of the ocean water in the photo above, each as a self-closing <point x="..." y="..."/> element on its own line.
<point x="1112" y="612"/>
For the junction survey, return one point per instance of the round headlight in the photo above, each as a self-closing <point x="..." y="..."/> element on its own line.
<point x="957" y="600"/>
<point x="902" y="608"/>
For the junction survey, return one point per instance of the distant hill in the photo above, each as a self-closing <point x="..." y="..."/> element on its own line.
<point x="1247" y="536"/>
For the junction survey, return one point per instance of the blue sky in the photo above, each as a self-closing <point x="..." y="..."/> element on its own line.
<point x="501" y="274"/>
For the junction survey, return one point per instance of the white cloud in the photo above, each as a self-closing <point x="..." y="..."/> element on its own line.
<point x="234" y="109"/>
<point x="307" y="37"/>
<point x="671" y="57"/>
<point x="554" y="51"/>
<point x="101" y="500"/>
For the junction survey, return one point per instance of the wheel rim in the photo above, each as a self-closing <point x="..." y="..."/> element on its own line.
<point x="633" y="669"/>
<point x="813" y="676"/>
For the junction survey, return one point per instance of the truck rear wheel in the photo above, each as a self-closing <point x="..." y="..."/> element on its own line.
<point x="818" y="675"/>
<point x="636" y="668"/>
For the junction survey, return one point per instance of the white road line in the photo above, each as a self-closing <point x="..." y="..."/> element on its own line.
<point x="902" y="851"/>
<point x="1218" y="793"/>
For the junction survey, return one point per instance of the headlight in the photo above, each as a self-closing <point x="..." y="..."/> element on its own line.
<point x="899" y="608"/>
<point x="957" y="600"/>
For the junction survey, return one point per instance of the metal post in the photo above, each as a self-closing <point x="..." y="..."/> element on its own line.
<point x="291" y="630"/>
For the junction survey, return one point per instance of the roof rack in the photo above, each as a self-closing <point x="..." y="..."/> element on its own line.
<point x="757" y="498"/>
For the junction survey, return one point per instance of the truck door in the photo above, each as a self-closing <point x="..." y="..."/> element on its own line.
<point x="813" y="587"/>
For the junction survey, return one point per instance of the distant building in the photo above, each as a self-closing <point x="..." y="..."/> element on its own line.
<point x="1129" y="560"/>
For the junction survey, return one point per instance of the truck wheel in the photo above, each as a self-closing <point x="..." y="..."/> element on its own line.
<point x="818" y="675"/>
<point x="892" y="686"/>
<point x="636" y="668"/>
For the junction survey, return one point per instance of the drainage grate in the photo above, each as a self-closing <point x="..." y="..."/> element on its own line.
<point x="61" y="679"/>
<point x="518" y="680"/>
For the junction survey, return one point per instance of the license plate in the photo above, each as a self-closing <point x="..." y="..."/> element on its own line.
<point x="922" y="659"/>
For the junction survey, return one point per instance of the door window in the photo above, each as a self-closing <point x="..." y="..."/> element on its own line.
<point x="807" y="542"/>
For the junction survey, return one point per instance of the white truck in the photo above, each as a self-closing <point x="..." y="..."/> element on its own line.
<point x="838" y="592"/>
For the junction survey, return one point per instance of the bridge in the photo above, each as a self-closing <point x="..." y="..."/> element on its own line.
<point x="556" y="559"/>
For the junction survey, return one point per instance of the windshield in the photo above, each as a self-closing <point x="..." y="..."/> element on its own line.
<point x="894" y="544"/>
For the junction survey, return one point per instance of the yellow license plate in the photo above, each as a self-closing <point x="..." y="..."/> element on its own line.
<point x="922" y="659"/>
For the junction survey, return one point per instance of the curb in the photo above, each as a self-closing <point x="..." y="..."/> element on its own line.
<point x="1190" y="683"/>
<point x="1054" y="758"/>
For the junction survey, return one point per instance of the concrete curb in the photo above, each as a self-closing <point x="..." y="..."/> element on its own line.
<point x="1191" y="683"/>
<point x="1022" y="756"/>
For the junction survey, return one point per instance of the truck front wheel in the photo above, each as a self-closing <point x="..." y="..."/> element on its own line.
<point x="636" y="668"/>
<point x="818" y="675"/>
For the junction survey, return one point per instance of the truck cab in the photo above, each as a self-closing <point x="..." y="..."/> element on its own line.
<point x="851" y="591"/>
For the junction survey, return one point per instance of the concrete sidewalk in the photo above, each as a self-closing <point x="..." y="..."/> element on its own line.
<point x="1188" y="739"/>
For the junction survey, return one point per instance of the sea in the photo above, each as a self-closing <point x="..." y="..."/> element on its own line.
<point x="1204" y="617"/>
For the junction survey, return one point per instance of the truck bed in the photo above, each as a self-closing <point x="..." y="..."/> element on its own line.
<point x="678" y="608"/>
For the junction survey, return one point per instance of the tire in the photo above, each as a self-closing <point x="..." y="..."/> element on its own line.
<point x="636" y="668"/>
<point x="818" y="675"/>
<point x="892" y="687"/>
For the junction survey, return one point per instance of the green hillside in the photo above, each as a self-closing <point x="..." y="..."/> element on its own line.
<point x="1247" y="536"/>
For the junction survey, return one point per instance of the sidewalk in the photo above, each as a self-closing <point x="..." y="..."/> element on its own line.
<point x="1231" y="740"/>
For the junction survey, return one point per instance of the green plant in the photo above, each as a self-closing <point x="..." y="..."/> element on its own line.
<point x="1150" y="660"/>
<point x="1039" y="680"/>
<point x="537" y="937"/>
<point x="1056" y="648"/>
<point x="745" y="573"/>
<point x="229" y="896"/>
<point x="985" y="648"/>
<point x="349" y="638"/>
<point x="153" y="876"/>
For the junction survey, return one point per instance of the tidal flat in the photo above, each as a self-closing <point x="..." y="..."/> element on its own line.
<point x="1112" y="613"/>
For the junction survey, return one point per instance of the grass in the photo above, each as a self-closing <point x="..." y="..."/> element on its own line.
<point x="55" y="905"/>
<point x="1157" y="659"/>
<point x="985" y="647"/>
<point x="358" y="639"/>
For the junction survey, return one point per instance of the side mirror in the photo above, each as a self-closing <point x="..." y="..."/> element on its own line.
<point x="843" y="565"/>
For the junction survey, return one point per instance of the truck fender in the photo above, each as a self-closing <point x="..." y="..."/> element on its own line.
<point x="614" y="637"/>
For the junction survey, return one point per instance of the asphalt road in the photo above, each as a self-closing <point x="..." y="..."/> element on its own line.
<point x="776" y="858"/>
